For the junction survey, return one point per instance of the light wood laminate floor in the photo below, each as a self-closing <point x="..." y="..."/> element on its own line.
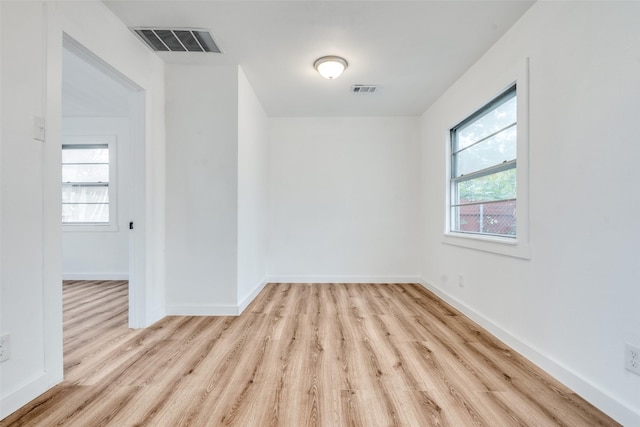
<point x="300" y="355"/>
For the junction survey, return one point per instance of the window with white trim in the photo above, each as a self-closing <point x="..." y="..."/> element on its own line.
<point x="483" y="185"/>
<point x="88" y="193"/>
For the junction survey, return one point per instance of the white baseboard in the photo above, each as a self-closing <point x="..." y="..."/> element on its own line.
<point x="590" y="392"/>
<point x="251" y="296"/>
<point x="343" y="279"/>
<point x="95" y="276"/>
<point x="155" y="314"/>
<point x="23" y="395"/>
<point x="216" y="310"/>
<point x="203" y="310"/>
<point x="235" y="310"/>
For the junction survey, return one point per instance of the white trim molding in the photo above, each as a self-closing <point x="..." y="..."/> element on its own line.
<point x="203" y="310"/>
<point x="518" y="74"/>
<point x="16" y="399"/>
<point x="343" y="279"/>
<point x="242" y="305"/>
<point x="95" y="276"/>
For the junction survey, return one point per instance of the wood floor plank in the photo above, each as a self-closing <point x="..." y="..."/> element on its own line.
<point x="300" y="355"/>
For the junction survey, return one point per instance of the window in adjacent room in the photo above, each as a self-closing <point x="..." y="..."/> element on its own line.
<point x="483" y="185"/>
<point x="88" y="193"/>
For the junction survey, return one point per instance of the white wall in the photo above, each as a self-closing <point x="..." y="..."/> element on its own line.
<point x="32" y="39"/>
<point x="253" y="144"/>
<point x="572" y="307"/>
<point x="202" y="183"/>
<point x="101" y="255"/>
<point x="343" y="199"/>
<point x="217" y="190"/>
<point x="23" y="274"/>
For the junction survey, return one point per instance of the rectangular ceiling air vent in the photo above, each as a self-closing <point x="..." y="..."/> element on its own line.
<point x="177" y="39"/>
<point x="363" y="88"/>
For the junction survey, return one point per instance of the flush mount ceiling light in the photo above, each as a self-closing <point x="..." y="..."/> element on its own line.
<point x="330" y="67"/>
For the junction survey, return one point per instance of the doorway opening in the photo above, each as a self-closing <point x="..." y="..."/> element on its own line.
<point x="102" y="146"/>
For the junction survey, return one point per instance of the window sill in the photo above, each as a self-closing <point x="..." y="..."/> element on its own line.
<point x="493" y="244"/>
<point x="90" y="227"/>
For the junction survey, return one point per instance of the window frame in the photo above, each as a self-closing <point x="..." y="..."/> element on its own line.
<point x="484" y="98"/>
<point x="110" y="142"/>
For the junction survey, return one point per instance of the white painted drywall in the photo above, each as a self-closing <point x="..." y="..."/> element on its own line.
<point x="102" y="255"/>
<point x="202" y="183"/>
<point x="88" y="91"/>
<point x="572" y="307"/>
<point x="253" y="149"/>
<point x="343" y="199"/>
<point x="22" y="279"/>
<point x="32" y="40"/>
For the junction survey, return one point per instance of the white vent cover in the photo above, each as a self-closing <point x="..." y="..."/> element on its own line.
<point x="177" y="39"/>
<point x="363" y="88"/>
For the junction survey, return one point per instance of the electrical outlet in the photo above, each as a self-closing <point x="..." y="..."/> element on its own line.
<point x="5" y="347"/>
<point x="460" y="281"/>
<point x="632" y="359"/>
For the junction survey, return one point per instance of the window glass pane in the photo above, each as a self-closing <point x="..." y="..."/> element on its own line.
<point x="85" y="173"/>
<point x="497" y="186"/>
<point x="80" y="194"/>
<point x="498" y="218"/>
<point x="83" y="212"/>
<point x="493" y="120"/>
<point x="490" y="152"/>
<point x="486" y="142"/>
<point x="85" y="155"/>
<point x="85" y="180"/>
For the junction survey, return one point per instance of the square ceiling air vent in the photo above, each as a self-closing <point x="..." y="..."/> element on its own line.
<point x="363" y="88"/>
<point x="178" y="39"/>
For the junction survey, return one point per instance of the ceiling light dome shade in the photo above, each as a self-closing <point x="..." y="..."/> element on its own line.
<point x="330" y="67"/>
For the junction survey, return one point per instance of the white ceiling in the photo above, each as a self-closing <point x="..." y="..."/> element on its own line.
<point x="414" y="50"/>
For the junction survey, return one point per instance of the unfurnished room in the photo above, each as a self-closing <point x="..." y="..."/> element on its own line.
<point x="319" y="213"/>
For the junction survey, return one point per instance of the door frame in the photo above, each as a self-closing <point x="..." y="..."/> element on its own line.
<point x="137" y="176"/>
